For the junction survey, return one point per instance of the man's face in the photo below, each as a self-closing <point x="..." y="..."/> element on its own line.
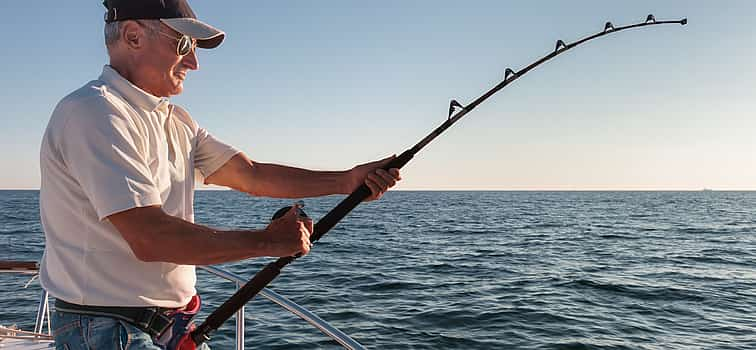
<point x="163" y="71"/>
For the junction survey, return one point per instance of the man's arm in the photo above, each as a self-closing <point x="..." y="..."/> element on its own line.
<point x="280" y="181"/>
<point x="154" y="235"/>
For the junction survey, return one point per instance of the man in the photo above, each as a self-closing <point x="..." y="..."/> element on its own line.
<point x="118" y="165"/>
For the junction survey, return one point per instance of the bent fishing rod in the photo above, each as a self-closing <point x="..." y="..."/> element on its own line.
<point x="456" y="112"/>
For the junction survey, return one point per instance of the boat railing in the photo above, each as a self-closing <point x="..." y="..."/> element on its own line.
<point x="43" y="310"/>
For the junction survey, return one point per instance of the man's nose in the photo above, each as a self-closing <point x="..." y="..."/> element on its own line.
<point x="190" y="60"/>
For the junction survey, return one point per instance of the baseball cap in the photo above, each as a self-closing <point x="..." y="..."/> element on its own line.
<point x="176" y="14"/>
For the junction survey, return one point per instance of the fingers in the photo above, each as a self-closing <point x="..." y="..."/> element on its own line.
<point x="394" y="172"/>
<point x="381" y="179"/>
<point x="306" y="246"/>
<point x="300" y="238"/>
<point x="375" y="188"/>
<point x="291" y="234"/>
<point x="388" y="179"/>
<point x="305" y="230"/>
<point x="309" y="226"/>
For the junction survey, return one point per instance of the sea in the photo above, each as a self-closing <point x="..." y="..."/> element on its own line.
<point x="480" y="270"/>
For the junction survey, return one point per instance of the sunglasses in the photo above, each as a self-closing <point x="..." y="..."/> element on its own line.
<point x="185" y="43"/>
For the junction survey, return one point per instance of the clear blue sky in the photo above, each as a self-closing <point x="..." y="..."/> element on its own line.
<point x="328" y="84"/>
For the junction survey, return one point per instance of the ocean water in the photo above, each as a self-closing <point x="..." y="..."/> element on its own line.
<point x="482" y="270"/>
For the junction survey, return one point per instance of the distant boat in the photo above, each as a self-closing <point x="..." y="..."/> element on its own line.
<point x="707" y="190"/>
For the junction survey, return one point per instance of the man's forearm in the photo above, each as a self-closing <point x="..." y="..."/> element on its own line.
<point x="280" y="181"/>
<point x="156" y="236"/>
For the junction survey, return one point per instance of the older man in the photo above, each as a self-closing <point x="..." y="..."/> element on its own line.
<point x="118" y="164"/>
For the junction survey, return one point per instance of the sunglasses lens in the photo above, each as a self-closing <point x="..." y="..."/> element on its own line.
<point x="184" y="45"/>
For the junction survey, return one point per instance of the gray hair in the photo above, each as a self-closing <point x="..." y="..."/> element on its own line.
<point x="113" y="30"/>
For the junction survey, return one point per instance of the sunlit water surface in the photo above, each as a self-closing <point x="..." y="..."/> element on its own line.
<point x="482" y="270"/>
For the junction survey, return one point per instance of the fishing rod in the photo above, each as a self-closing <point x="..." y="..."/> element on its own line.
<point x="456" y="112"/>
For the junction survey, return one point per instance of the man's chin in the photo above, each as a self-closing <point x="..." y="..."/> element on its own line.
<point x="177" y="89"/>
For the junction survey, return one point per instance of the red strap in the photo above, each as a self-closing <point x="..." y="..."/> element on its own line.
<point x="186" y="343"/>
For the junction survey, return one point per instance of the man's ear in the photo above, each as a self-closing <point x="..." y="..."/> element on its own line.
<point x="132" y="35"/>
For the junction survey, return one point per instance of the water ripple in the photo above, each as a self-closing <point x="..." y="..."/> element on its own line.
<point x="485" y="270"/>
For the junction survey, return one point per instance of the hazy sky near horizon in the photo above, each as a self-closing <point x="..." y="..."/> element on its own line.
<point x="327" y="85"/>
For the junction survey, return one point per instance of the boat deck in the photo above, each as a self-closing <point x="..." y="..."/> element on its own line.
<point x="25" y="344"/>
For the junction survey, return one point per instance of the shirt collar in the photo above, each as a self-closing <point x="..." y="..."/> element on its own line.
<point x="133" y="94"/>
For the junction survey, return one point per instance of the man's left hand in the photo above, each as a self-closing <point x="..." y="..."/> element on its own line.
<point x="374" y="177"/>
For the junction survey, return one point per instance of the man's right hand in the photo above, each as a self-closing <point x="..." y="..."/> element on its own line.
<point x="288" y="235"/>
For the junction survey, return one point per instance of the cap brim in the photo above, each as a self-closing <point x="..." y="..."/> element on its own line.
<point x="207" y="36"/>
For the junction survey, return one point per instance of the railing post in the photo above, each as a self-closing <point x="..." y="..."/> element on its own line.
<point x="49" y="319"/>
<point x="42" y="309"/>
<point x="239" y="325"/>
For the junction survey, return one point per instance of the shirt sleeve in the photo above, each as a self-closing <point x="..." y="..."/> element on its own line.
<point x="210" y="153"/>
<point x="102" y="152"/>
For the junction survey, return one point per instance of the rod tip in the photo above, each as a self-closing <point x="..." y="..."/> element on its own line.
<point x="684" y="21"/>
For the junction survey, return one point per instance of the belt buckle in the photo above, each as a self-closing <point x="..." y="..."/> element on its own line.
<point x="146" y="317"/>
<point x="153" y="321"/>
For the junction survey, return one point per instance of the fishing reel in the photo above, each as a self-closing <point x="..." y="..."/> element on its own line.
<point x="281" y="212"/>
<point x="302" y="215"/>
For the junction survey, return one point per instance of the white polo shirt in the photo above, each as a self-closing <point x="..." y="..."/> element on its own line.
<point x="110" y="147"/>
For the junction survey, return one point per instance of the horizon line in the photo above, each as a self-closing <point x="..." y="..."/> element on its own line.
<point x="210" y="189"/>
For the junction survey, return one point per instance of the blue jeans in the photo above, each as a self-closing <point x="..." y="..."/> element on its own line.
<point x="82" y="332"/>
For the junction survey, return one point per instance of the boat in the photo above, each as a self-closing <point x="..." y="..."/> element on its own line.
<point x="41" y="337"/>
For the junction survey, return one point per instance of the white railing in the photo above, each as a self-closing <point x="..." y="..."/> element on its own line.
<point x="43" y="309"/>
<point x="309" y="317"/>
